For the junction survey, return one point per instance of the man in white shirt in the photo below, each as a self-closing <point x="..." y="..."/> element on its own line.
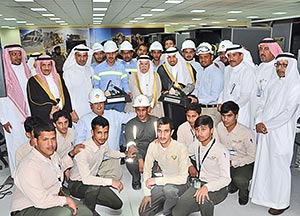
<point x="162" y="191"/>
<point x="186" y="131"/>
<point x="209" y="82"/>
<point x="240" y="141"/>
<point x="84" y="180"/>
<point x="212" y="159"/>
<point x="38" y="180"/>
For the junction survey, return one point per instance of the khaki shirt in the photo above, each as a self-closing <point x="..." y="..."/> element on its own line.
<point x="88" y="161"/>
<point x="38" y="181"/>
<point x="215" y="169"/>
<point x="22" y="151"/>
<point x="173" y="161"/>
<point x="65" y="144"/>
<point x="240" y="142"/>
<point x="185" y="134"/>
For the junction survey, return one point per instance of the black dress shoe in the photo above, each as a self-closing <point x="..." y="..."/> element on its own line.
<point x="136" y="185"/>
<point x="243" y="201"/>
<point x="123" y="161"/>
<point x="232" y="188"/>
<point x="277" y="211"/>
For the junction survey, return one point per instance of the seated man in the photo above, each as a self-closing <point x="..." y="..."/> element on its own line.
<point x="212" y="159"/>
<point x="38" y="180"/>
<point x="65" y="136"/>
<point x="163" y="192"/>
<point x="240" y="141"/>
<point x="186" y="131"/>
<point x="110" y="168"/>
<point x="141" y="131"/>
<point x="84" y="180"/>
<point x="29" y="125"/>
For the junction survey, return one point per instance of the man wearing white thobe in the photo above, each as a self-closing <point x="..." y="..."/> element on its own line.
<point x="77" y="75"/>
<point x="14" y="108"/>
<point x="276" y="121"/>
<point x="239" y="82"/>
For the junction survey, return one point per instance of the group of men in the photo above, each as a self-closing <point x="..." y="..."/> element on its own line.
<point x="186" y="158"/>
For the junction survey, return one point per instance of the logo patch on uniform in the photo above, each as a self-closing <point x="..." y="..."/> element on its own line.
<point x="174" y="157"/>
<point x="97" y="96"/>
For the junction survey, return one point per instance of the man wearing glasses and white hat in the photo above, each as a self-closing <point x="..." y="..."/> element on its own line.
<point x="209" y="82"/>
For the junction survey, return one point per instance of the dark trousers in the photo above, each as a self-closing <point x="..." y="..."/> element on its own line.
<point x="164" y="197"/>
<point x="133" y="168"/>
<point x="93" y="195"/>
<point x="240" y="178"/>
<point x="82" y="210"/>
<point x="177" y="114"/>
<point x="187" y="202"/>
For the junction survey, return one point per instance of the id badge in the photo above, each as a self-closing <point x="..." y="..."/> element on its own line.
<point x="232" y="152"/>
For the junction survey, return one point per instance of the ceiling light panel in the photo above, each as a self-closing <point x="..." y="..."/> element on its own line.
<point x="158" y="9"/>
<point x="38" y="9"/>
<point x="173" y="1"/>
<point x="99" y="9"/>
<point x="198" y="11"/>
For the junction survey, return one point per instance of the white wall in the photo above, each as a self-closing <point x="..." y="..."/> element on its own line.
<point x="9" y="36"/>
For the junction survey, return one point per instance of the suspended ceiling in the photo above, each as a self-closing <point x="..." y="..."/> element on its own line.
<point x="139" y="13"/>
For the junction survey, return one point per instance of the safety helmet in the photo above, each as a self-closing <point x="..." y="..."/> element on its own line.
<point x="97" y="47"/>
<point x="96" y="96"/>
<point x="156" y="46"/>
<point x="110" y="46"/>
<point x="188" y="44"/>
<point x="141" y="101"/>
<point x="126" y="45"/>
<point x="204" y="48"/>
<point x="224" y="45"/>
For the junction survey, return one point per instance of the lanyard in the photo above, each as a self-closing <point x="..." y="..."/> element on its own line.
<point x="193" y="134"/>
<point x="199" y="164"/>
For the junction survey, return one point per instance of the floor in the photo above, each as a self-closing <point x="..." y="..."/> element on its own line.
<point x="132" y="198"/>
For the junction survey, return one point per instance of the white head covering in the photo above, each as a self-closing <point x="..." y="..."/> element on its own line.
<point x="70" y="61"/>
<point x="180" y="71"/>
<point x="31" y="61"/>
<point x="279" y="88"/>
<point x="240" y="49"/>
<point x="146" y="79"/>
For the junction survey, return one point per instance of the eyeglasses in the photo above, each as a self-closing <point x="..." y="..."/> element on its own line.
<point x="203" y="49"/>
<point x="281" y="65"/>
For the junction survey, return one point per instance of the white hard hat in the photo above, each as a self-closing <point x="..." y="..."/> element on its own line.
<point x="126" y="45"/>
<point x="156" y="46"/>
<point x="188" y="44"/>
<point x="141" y="101"/>
<point x="204" y="48"/>
<point x="224" y="45"/>
<point x="97" y="47"/>
<point x="96" y="96"/>
<point x="110" y="46"/>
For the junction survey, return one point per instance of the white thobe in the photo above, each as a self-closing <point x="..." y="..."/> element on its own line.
<point x="10" y="113"/>
<point x="78" y="81"/>
<point x="271" y="182"/>
<point x="239" y="87"/>
<point x="264" y="73"/>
